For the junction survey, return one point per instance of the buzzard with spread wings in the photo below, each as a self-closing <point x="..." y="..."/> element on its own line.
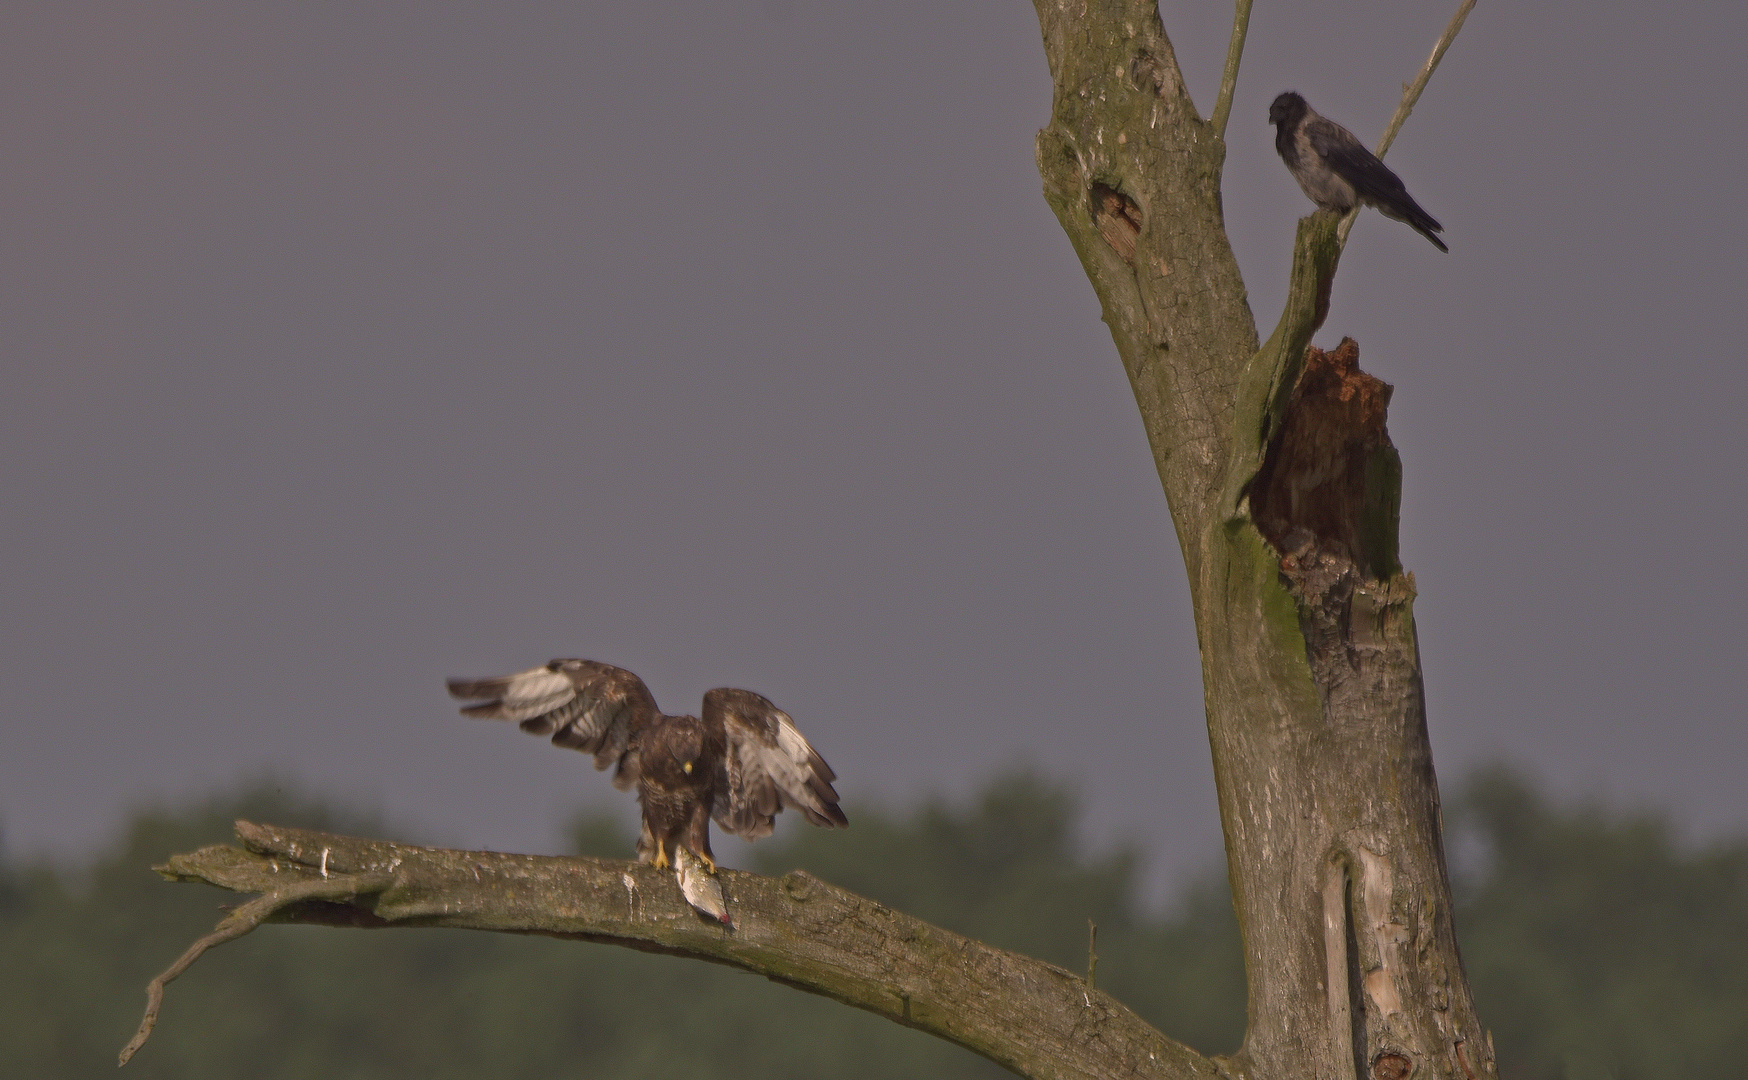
<point x="741" y="762"/>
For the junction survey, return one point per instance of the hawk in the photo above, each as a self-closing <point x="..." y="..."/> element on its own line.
<point x="1337" y="172"/>
<point x="741" y="761"/>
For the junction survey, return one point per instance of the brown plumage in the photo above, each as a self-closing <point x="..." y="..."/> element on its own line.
<point x="741" y="762"/>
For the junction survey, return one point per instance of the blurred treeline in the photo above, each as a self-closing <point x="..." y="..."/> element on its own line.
<point x="1598" y="946"/>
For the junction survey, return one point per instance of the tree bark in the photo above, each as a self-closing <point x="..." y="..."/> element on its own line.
<point x="1034" y="1018"/>
<point x="1284" y="491"/>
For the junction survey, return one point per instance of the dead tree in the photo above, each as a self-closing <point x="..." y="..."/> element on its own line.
<point x="1284" y="490"/>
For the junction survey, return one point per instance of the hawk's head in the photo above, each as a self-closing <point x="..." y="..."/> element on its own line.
<point x="682" y="741"/>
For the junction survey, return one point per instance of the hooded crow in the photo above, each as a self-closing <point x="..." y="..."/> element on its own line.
<point x="1337" y="172"/>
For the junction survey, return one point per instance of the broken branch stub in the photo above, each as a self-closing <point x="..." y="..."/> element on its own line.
<point x="1331" y="477"/>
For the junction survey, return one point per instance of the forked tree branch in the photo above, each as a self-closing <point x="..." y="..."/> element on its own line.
<point x="1229" y="77"/>
<point x="241" y="920"/>
<point x="1034" y="1018"/>
<point x="1411" y="96"/>
<point x="1272" y="373"/>
<point x="1284" y="492"/>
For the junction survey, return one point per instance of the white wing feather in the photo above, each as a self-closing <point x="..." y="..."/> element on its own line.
<point x="769" y="767"/>
<point x="582" y="704"/>
<point x="522" y="696"/>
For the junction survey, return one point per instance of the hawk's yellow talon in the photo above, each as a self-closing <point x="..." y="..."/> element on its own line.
<point x="661" y="859"/>
<point x="709" y="863"/>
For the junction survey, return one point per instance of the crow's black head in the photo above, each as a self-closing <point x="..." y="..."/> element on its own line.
<point x="1288" y="109"/>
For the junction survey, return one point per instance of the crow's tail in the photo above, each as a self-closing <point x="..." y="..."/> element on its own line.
<point x="1403" y="208"/>
<point x="1427" y="231"/>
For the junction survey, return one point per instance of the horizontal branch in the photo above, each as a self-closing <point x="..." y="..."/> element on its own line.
<point x="1034" y="1018"/>
<point x="241" y="920"/>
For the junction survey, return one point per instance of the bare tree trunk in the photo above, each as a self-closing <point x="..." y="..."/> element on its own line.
<point x="1284" y="491"/>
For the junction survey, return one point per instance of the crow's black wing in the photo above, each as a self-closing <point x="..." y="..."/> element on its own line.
<point x="1373" y="182"/>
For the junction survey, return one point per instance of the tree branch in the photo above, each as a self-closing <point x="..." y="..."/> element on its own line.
<point x="1034" y="1018"/>
<point x="1229" y="77"/>
<point x="1272" y="373"/>
<point x="1133" y="175"/>
<point x="1285" y="492"/>
<point x="1411" y="92"/>
<point x="1266" y="387"/>
<point x="240" y="921"/>
<point x="1410" y="97"/>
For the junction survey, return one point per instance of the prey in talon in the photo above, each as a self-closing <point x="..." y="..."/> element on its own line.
<point x="740" y="762"/>
<point x="700" y="887"/>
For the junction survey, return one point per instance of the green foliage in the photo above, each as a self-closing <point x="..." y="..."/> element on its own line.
<point x="303" y="1001"/>
<point x="1597" y="946"/>
<point x="1007" y="870"/>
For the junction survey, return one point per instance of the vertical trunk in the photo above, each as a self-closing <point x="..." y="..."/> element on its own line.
<point x="1284" y="492"/>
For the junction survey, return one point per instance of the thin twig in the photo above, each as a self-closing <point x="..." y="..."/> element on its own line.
<point x="240" y="921"/>
<point x="1410" y="96"/>
<point x="1229" y="77"/>
<point x="1411" y="92"/>
<point x="1092" y="953"/>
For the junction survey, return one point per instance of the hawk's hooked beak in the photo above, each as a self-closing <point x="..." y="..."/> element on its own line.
<point x="687" y="767"/>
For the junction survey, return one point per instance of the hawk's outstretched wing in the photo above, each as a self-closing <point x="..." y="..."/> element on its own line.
<point x="768" y="767"/>
<point x="582" y="704"/>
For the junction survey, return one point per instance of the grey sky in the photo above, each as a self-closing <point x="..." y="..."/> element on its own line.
<point x="352" y="345"/>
